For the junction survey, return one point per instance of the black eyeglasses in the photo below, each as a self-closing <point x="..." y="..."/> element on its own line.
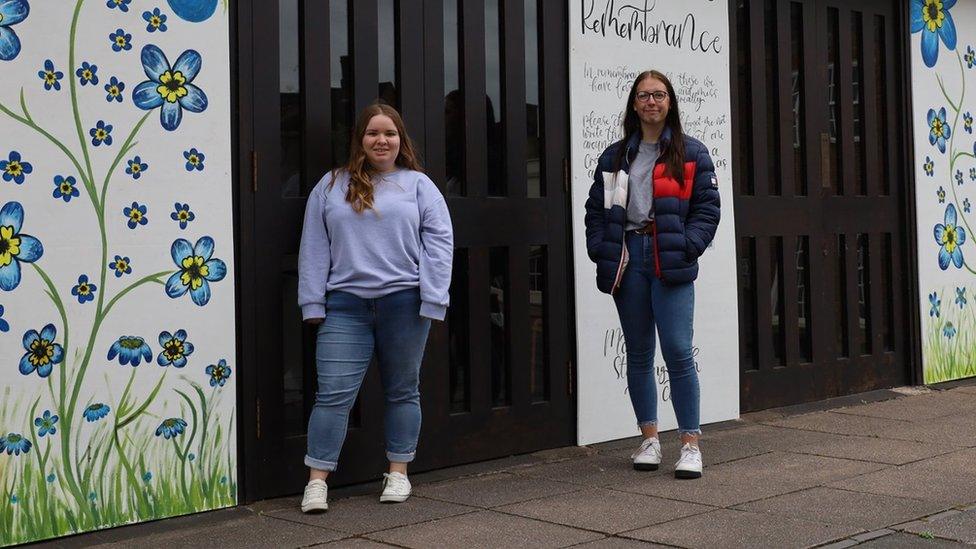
<point x="659" y="96"/>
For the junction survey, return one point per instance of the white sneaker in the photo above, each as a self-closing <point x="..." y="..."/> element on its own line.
<point x="648" y="455"/>
<point x="396" y="488"/>
<point x="316" y="499"/>
<point x="689" y="465"/>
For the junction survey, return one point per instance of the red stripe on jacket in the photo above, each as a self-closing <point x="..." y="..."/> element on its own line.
<point x="667" y="186"/>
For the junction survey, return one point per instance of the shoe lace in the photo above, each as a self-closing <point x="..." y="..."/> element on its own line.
<point x="690" y="453"/>
<point x="645" y="444"/>
<point x="397" y="483"/>
<point x="316" y="490"/>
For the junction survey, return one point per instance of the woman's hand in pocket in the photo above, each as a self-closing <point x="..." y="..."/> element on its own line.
<point x="314" y="321"/>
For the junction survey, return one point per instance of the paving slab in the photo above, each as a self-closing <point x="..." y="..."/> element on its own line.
<point x="847" y="424"/>
<point x="494" y="489"/>
<point x="487" y="530"/>
<point x="948" y="480"/>
<point x="910" y="541"/>
<point x="604" y="510"/>
<point x="729" y="528"/>
<point x="750" y="479"/>
<point x="598" y="470"/>
<point x="957" y="430"/>
<point x="877" y="450"/>
<point x="355" y="543"/>
<point x="917" y="408"/>
<point x="364" y="514"/>
<point x="619" y="543"/>
<point x="957" y="526"/>
<point x="967" y="389"/>
<point x="257" y="532"/>
<point x="833" y="506"/>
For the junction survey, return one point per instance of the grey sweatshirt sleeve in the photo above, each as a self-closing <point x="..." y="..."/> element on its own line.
<point x="314" y="256"/>
<point x="436" y="252"/>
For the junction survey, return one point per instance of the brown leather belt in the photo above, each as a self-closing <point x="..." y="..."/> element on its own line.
<point x="646" y="229"/>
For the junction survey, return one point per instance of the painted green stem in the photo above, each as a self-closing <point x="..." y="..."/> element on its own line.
<point x="952" y="148"/>
<point x="126" y="147"/>
<point x="74" y="91"/>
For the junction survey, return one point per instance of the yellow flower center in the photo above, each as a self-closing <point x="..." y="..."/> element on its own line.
<point x="949" y="238"/>
<point x="938" y="127"/>
<point x="194" y="159"/>
<point x="194" y="271"/>
<point x="171" y="86"/>
<point x="173" y="349"/>
<point x="9" y="245"/>
<point x="114" y="90"/>
<point x="66" y="188"/>
<point x="121" y="265"/>
<point x="100" y="134"/>
<point x="41" y="352"/>
<point x="933" y="15"/>
<point x="183" y="215"/>
<point x="154" y="21"/>
<point x="120" y="40"/>
<point x="14" y="168"/>
<point x="49" y="77"/>
<point x="86" y="74"/>
<point x="135" y="215"/>
<point x="136" y="167"/>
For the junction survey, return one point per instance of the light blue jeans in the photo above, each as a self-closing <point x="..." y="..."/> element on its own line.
<point x="643" y="303"/>
<point x="353" y="329"/>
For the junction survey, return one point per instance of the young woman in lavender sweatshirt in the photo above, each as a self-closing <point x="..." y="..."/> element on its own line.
<point x="373" y="270"/>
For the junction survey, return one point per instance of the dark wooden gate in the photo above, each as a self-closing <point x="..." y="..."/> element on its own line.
<point x="821" y="184"/>
<point x="481" y="85"/>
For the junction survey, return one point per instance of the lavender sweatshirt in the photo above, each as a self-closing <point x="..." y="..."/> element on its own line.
<point x="405" y="241"/>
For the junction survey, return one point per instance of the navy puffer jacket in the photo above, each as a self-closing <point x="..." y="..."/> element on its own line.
<point x="686" y="214"/>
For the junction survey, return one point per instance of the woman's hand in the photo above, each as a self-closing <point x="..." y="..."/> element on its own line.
<point x="314" y="321"/>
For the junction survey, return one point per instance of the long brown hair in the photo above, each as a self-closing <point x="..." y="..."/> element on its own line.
<point x="360" y="192"/>
<point x="673" y="155"/>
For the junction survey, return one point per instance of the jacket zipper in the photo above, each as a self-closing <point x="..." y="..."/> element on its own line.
<point x="657" y="260"/>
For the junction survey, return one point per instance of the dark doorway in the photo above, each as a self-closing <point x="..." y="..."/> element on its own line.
<point x="481" y="86"/>
<point x="821" y="184"/>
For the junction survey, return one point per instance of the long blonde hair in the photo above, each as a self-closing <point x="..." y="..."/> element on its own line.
<point x="360" y="192"/>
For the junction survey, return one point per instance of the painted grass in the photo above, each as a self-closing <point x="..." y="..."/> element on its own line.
<point x="948" y="358"/>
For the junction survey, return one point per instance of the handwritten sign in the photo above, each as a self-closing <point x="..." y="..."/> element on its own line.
<point x="611" y="42"/>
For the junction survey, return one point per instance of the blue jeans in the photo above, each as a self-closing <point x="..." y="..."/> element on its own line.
<point x="353" y="329"/>
<point x="643" y="302"/>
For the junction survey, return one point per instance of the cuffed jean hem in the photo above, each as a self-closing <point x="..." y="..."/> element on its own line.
<point x="689" y="432"/>
<point x="646" y="423"/>
<point x="319" y="464"/>
<point x="400" y="458"/>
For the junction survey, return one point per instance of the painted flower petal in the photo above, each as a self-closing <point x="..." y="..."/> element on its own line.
<point x="49" y="332"/>
<point x="45" y="370"/>
<point x="147" y="353"/>
<point x="30" y="336"/>
<point x="113" y="351"/>
<point x="13" y="11"/>
<point x="948" y="30"/>
<point x="944" y="258"/>
<point x="171" y="115"/>
<point x="181" y="361"/>
<point x="180" y="250"/>
<point x="950" y="215"/>
<point x="9" y="44"/>
<point x="180" y="334"/>
<point x="10" y="276"/>
<point x="187" y="348"/>
<point x="189" y="64"/>
<point x="12" y="215"/>
<point x="193" y="11"/>
<point x="918" y="23"/>
<point x="146" y="97"/>
<point x="957" y="257"/>
<point x="939" y="233"/>
<point x="218" y="270"/>
<point x="194" y="100"/>
<point x="154" y="62"/>
<point x="30" y="249"/>
<point x="930" y="48"/>
<point x="26" y="367"/>
<point x="201" y="295"/>
<point x="960" y="236"/>
<point x="58" y="354"/>
<point x="174" y="288"/>
<point x="164" y="338"/>
<point x="204" y="247"/>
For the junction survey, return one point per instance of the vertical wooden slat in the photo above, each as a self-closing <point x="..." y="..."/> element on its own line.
<point x="789" y="321"/>
<point x="409" y="67"/>
<point x="316" y="89"/>
<point x="764" y="315"/>
<point x="784" y="89"/>
<point x="517" y="325"/>
<point x="870" y="136"/>
<point x="513" y="111"/>
<point x="876" y="242"/>
<point x="434" y="92"/>
<point x="365" y="52"/>
<point x="760" y="151"/>
<point x="479" y="351"/>
<point x="851" y="298"/>
<point x="475" y="98"/>
<point x="895" y="106"/>
<point x="845" y="106"/>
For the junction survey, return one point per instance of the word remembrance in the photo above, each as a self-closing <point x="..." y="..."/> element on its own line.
<point x="637" y="21"/>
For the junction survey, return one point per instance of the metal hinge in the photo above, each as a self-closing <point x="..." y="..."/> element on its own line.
<point x="565" y="175"/>
<point x="569" y="377"/>
<point x="254" y="171"/>
<point x="257" y="417"/>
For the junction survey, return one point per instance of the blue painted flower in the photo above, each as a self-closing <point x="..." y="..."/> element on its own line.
<point x="51" y="478"/>
<point x="959" y="177"/>
<point x="169" y="86"/>
<point x="121" y="266"/>
<point x="64" y="188"/>
<point x="191" y="456"/>
<point x="4" y="325"/>
<point x="966" y="206"/>
<point x="961" y="297"/>
<point x="130" y="350"/>
<point x="972" y="174"/>
<point x="218" y="373"/>
<point x="135" y="167"/>
<point x="932" y="19"/>
<point x="51" y="77"/>
<point x="155" y="20"/>
<point x="11" y="13"/>
<point x="15" y="247"/>
<point x="14" y="168"/>
<point x="147" y="477"/>
<point x="171" y="428"/>
<point x="941" y="194"/>
<point x="939" y="129"/>
<point x="84" y="290"/>
<point x="193" y="11"/>
<point x="197" y="270"/>
<point x="14" y="499"/>
<point x="967" y="120"/>
<point x="14" y="444"/>
<point x="123" y="5"/>
<point x="223" y="480"/>
<point x="936" y="304"/>
<point x="121" y="41"/>
<point x="970" y="57"/>
<point x="46" y="424"/>
<point x="96" y="412"/>
<point x="182" y="214"/>
<point x="194" y="160"/>
<point x="175" y="349"/>
<point x="929" y="167"/>
<point x="114" y="90"/>
<point x="87" y="73"/>
<point x="101" y="133"/>
<point x="136" y="215"/>
<point x="92" y="496"/>
<point x="949" y="330"/>
<point x="42" y="352"/>
<point x="950" y="238"/>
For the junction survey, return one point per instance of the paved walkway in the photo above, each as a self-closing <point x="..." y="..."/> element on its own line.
<point x="884" y="469"/>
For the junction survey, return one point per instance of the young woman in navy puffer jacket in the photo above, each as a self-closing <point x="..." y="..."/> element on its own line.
<point x="652" y="211"/>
